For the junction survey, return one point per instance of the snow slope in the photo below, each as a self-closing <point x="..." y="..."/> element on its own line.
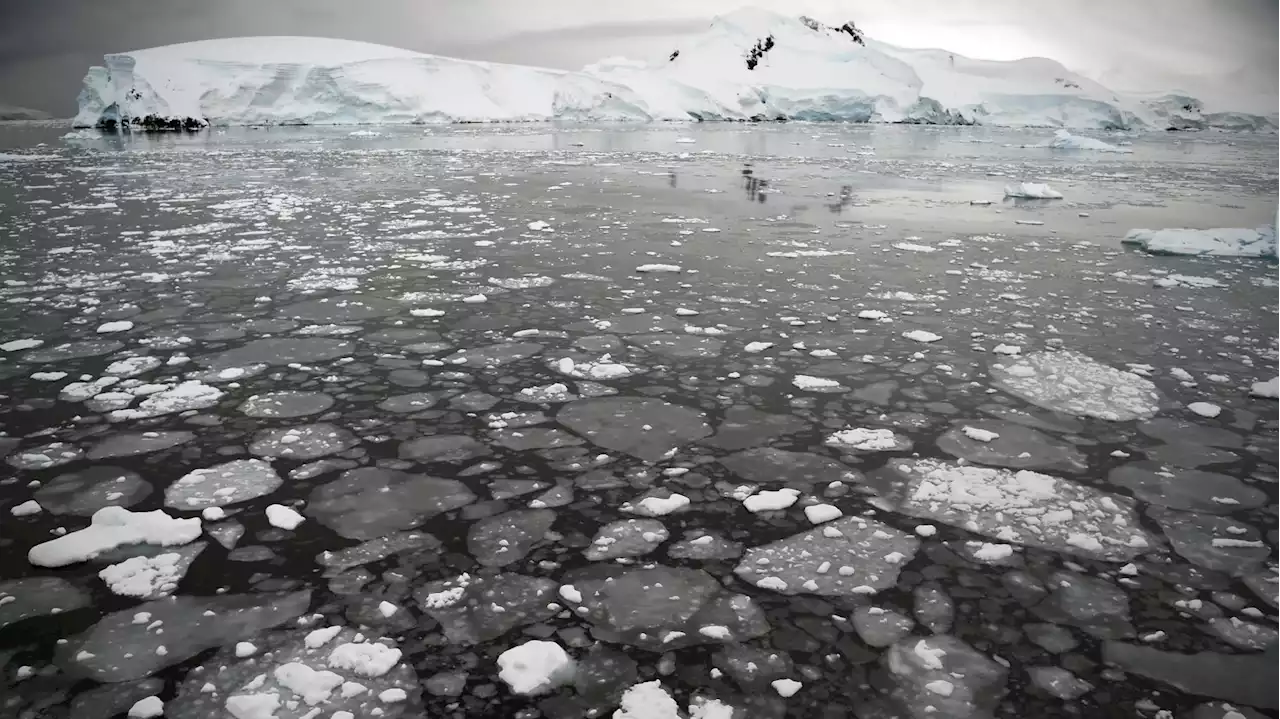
<point x="749" y="64"/>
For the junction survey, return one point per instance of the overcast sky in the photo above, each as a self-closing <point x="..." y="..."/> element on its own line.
<point x="1224" y="47"/>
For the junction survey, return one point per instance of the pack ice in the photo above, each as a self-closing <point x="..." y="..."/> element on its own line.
<point x="750" y="64"/>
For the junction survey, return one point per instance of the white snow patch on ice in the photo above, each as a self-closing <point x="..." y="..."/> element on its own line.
<point x="112" y="527"/>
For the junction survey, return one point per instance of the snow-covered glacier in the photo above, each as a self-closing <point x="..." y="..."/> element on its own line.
<point x="749" y="65"/>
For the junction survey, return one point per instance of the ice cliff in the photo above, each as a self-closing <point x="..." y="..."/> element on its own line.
<point x="749" y="65"/>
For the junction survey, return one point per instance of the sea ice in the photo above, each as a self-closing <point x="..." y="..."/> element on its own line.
<point x="535" y="667"/>
<point x="113" y="527"/>
<point x="150" y="577"/>
<point x="239" y="480"/>
<point x="370" y="502"/>
<point x="864" y="439"/>
<point x="1217" y="242"/>
<point x="626" y="538"/>
<point x="1064" y="140"/>
<point x="38" y="596"/>
<point x="472" y="610"/>
<point x="1073" y="383"/>
<point x="119" y="648"/>
<point x="1023" y="507"/>
<point x="307" y="441"/>
<point x="286" y="405"/>
<point x="508" y="537"/>
<point x="1032" y="190"/>
<point x="846" y="557"/>
<point x="649" y="429"/>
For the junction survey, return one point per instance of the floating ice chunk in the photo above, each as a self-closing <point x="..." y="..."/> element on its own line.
<point x="1269" y="389"/>
<point x="38" y="596"/>
<point x="1007" y="444"/>
<point x="19" y="345"/>
<point x="912" y="247"/>
<point x="368" y="659"/>
<point x="786" y="687"/>
<point x="113" y="527"/>
<point x="1205" y="409"/>
<point x="817" y="384"/>
<point x="26" y="509"/>
<point x="1064" y="140"/>
<point x="133" y="366"/>
<point x="1074" y="383"/>
<point x="1023" y="507"/>
<point x="286" y="404"/>
<point x="979" y="435"/>
<point x="658" y="506"/>
<point x="1003" y="349"/>
<point x="1032" y="190"/>
<point x="314" y="686"/>
<point x="283" y="517"/>
<point x="546" y="394"/>
<point x="121" y="648"/>
<point x="85" y="492"/>
<point x="872" y="315"/>
<point x="756" y="347"/>
<point x="535" y="667"/>
<point x="1186" y="281"/>
<point x="921" y="336"/>
<point x="1234" y="677"/>
<point x="522" y="283"/>
<point x="236" y="481"/>
<point x="191" y="394"/>
<point x="147" y="708"/>
<point x="646" y="428"/>
<point x="308" y="441"/>
<point x="110" y="327"/>
<point x="1212" y="542"/>
<point x="868" y="440"/>
<point x="1217" y="242"/>
<point x="371" y="502"/>
<point x="988" y="552"/>
<point x="285" y="665"/>
<point x="771" y="500"/>
<point x="820" y="513"/>
<point x="508" y="537"/>
<point x="45" y="456"/>
<point x="647" y="701"/>
<point x="149" y="577"/>
<point x="658" y="268"/>
<point x="472" y="610"/>
<point x="856" y="552"/>
<point x="253" y="706"/>
<point x="942" y="676"/>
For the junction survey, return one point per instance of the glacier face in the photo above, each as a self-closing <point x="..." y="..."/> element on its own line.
<point x="749" y="65"/>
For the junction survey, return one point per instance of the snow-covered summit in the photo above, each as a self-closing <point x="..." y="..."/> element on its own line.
<point x="750" y="64"/>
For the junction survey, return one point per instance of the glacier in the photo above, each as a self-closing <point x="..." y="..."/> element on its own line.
<point x="750" y="64"/>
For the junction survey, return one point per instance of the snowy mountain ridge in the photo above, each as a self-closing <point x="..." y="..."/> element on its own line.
<point x="749" y="65"/>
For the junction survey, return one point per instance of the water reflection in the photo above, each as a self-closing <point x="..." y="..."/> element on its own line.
<point x="755" y="187"/>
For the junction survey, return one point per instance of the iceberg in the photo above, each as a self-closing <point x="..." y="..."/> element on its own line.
<point x="750" y="64"/>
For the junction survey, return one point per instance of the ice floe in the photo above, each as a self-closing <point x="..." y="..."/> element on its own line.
<point x="1023" y="507"/>
<point x="1074" y="383"/>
